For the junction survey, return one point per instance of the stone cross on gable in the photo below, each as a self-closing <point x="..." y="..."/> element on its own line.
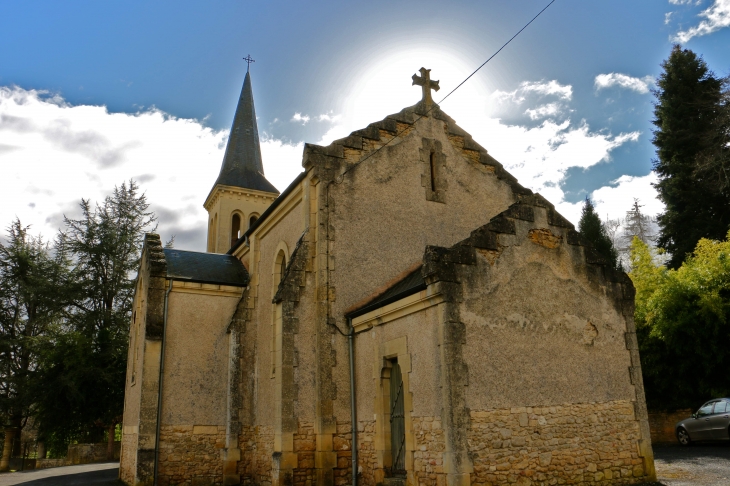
<point x="424" y="81"/>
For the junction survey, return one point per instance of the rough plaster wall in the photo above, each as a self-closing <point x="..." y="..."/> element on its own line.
<point x="383" y="202"/>
<point x="132" y="392"/>
<point x="288" y="230"/>
<point x="421" y="333"/>
<point x="136" y="343"/>
<point x="538" y="332"/>
<point x="196" y="359"/>
<point x="306" y="348"/>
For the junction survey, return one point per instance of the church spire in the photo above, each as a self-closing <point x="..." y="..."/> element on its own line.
<point x="242" y="166"/>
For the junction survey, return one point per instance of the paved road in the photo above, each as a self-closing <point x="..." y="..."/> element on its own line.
<point x="699" y="464"/>
<point x="100" y="474"/>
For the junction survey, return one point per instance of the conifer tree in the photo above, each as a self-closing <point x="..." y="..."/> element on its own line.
<point x="33" y="279"/>
<point x="593" y="230"/>
<point x="85" y="364"/>
<point x="685" y="115"/>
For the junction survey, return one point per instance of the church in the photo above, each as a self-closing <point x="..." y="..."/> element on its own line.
<point x="403" y="313"/>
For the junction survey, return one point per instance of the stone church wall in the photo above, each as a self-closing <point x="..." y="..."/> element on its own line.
<point x="190" y="455"/>
<point x="591" y="443"/>
<point x="539" y="356"/>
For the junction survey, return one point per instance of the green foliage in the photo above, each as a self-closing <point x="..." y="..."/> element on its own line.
<point x="593" y="230"/>
<point x="683" y="324"/>
<point x="688" y="139"/>
<point x="81" y="387"/>
<point x="33" y="279"/>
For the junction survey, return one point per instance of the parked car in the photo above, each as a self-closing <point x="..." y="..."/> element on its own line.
<point x="710" y="422"/>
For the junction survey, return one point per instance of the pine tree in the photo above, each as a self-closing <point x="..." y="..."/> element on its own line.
<point x="85" y="366"/>
<point x="593" y="230"/>
<point x="685" y="115"/>
<point x="638" y="225"/>
<point x="33" y="279"/>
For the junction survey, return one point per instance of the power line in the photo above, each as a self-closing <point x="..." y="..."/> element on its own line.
<point x="342" y="176"/>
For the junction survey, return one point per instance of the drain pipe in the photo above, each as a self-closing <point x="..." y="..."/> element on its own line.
<point x="159" y="388"/>
<point x="353" y="404"/>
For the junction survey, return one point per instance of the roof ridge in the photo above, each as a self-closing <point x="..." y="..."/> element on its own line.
<point x="371" y="138"/>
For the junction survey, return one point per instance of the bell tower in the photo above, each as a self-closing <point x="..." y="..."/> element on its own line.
<point x="241" y="193"/>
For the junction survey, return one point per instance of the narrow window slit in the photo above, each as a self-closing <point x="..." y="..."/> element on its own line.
<point x="432" y="164"/>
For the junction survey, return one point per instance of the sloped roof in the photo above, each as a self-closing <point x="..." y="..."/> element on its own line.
<point x="211" y="268"/>
<point x="389" y="124"/>
<point x="410" y="284"/>
<point x="242" y="165"/>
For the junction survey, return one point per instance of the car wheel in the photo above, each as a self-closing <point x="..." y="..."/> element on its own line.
<point x="683" y="437"/>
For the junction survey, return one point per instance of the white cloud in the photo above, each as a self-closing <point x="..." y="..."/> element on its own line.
<point x="667" y="17"/>
<point x="615" y="199"/>
<point x="685" y="2"/>
<point x="717" y="16"/>
<point x="539" y="88"/>
<point x="329" y="117"/>
<point x="299" y="118"/>
<point x="544" y="111"/>
<point x="640" y="85"/>
<point x="52" y="154"/>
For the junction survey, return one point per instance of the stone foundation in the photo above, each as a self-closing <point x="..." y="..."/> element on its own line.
<point x="257" y="450"/>
<point x="128" y="458"/>
<point x="428" y="466"/>
<point x="342" y="445"/>
<point x="594" y="443"/>
<point x="366" y="458"/>
<point x="305" y="444"/>
<point x="191" y="455"/>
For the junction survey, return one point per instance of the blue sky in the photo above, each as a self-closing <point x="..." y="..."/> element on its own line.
<point x="93" y="93"/>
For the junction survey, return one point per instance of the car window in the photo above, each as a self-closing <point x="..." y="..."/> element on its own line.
<point x="706" y="409"/>
<point x="721" y="407"/>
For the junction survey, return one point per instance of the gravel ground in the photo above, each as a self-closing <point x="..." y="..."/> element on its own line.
<point x="698" y="464"/>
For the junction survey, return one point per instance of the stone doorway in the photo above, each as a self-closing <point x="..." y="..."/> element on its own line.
<point x="397" y="421"/>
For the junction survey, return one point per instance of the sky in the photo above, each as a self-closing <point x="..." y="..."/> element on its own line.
<point x="93" y="94"/>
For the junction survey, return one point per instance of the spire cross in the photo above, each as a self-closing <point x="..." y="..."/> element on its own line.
<point x="424" y="81"/>
<point x="248" y="60"/>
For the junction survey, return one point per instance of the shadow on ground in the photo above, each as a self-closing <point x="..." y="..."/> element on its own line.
<point x="107" y="477"/>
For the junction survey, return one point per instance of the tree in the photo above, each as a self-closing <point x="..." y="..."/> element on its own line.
<point x="85" y="365"/>
<point x="683" y="324"/>
<point x="593" y="230"/>
<point x="686" y="118"/>
<point x="712" y="165"/>
<point x="32" y="283"/>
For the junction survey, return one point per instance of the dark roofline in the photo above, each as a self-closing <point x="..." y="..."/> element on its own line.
<point x="268" y="211"/>
<point x="204" y="268"/>
<point x="418" y="285"/>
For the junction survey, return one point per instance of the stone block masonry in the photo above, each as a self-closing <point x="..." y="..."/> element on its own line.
<point x="257" y="449"/>
<point x="191" y="455"/>
<point x="591" y="443"/>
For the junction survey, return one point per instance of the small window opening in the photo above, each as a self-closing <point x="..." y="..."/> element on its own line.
<point x="432" y="163"/>
<point x="282" y="270"/>
<point x="252" y="220"/>
<point x="235" y="228"/>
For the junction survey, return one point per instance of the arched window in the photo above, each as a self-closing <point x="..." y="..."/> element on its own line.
<point x="235" y="228"/>
<point x="276" y="342"/>
<point x="252" y="220"/>
<point x="280" y="269"/>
